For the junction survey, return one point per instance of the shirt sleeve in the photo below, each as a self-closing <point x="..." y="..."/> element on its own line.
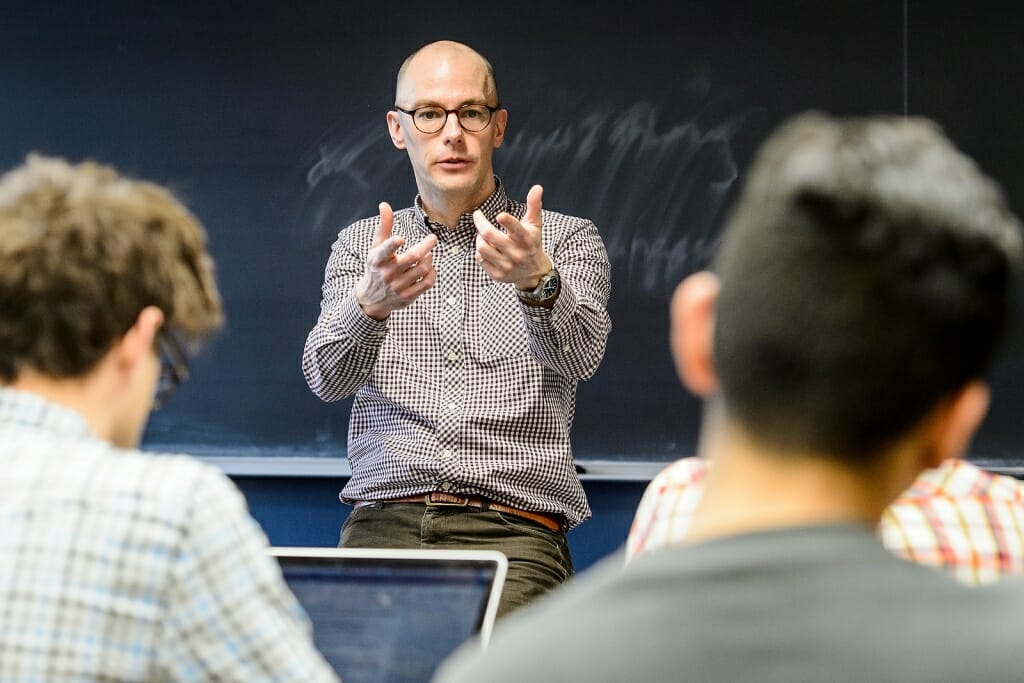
<point x="643" y="519"/>
<point x="341" y="349"/>
<point x="570" y="337"/>
<point x="231" y="616"/>
<point x="666" y="509"/>
<point x="960" y="518"/>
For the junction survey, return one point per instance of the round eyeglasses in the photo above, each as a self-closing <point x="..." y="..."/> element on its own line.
<point x="173" y="367"/>
<point x="430" y="119"/>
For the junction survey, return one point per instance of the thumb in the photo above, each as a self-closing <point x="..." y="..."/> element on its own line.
<point x="387" y="219"/>
<point x="533" y="205"/>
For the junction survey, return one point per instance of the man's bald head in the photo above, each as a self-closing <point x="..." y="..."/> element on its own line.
<point x="444" y="52"/>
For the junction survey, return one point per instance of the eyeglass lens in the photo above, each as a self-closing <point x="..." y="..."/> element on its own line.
<point x="472" y="117"/>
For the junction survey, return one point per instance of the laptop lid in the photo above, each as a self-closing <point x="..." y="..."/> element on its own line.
<point x="382" y="615"/>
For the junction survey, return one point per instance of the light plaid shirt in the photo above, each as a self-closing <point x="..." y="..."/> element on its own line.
<point x="467" y="390"/>
<point x="958" y="517"/>
<point x="121" y="566"/>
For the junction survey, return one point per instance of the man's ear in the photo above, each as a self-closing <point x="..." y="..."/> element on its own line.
<point x="692" y="332"/>
<point x="137" y="343"/>
<point x="500" y="122"/>
<point x="957" y="420"/>
<point x="395" y="129"/>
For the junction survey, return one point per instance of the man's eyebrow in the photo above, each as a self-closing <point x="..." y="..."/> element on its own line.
<point x="433" y="103"/>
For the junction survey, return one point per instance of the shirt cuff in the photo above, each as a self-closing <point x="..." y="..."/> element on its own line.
<point x="542" y="318"/>
<point x="353" y="322"/>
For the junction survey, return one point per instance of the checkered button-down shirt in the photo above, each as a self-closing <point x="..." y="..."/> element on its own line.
<point x="120" y="566"/>
<point x="958" y="517"/>
<point x="467" y="390"/>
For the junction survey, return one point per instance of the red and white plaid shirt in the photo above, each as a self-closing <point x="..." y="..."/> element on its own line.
<point x="958" y="517"/>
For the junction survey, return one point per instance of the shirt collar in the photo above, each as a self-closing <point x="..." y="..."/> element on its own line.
<point x="495" y="203"/>
<point x="25" y="410"/>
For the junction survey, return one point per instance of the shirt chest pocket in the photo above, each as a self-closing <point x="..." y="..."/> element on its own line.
<point x="498" y="329"/>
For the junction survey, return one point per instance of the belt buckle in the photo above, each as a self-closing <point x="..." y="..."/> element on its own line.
<point x="432" y="503"/>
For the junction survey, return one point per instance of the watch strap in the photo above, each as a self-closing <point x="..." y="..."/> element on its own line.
<point x="545" y="291"/>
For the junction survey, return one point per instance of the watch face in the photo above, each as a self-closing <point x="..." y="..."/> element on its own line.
<point x="546" y="288"/>
<point x="549" y="288"/>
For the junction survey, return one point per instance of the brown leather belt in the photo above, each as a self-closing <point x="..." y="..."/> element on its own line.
<point x="441" y="499"/>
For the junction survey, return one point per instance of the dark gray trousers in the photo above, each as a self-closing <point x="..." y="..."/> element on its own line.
<point x="538" y="558"/>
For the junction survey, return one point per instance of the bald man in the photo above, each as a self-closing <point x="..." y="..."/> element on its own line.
<point x="462" y="324"/>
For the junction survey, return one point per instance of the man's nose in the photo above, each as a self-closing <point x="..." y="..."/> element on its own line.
<point x="452" y="128"/>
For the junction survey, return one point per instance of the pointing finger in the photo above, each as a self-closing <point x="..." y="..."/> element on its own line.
<point x="385" y="250"/>
<point x="421" y="249"/>
<point x="481" y="222"/>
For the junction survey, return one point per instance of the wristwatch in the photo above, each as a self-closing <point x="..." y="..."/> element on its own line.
<point x="546" y="291"/>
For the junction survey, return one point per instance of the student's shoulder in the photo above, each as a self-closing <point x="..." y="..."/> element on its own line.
<point x="991" y="616"/>
<point x="168" y="475"/>
<point x="599" y="610"/>
<point x="961" y="479"/>
<point x="680" y="472"/>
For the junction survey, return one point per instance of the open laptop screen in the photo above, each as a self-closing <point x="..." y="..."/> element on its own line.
<point x="393" y="615"/>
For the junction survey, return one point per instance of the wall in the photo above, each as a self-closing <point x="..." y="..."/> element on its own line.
<point x="268" y="119"/>
<point x="306" y="511"/>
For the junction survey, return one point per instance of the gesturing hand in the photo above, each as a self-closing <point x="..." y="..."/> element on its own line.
<point x="516" y="255"/>
<point x="394" y="280"/>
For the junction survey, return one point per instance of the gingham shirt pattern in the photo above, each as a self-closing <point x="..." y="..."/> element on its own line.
<point x="957" y="517"/>
<point x="467" y="390"/>
<point x="120" y="566"/>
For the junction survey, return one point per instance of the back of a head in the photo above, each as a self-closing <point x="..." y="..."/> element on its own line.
<point x="83" y="250"/>
<point x="868" y="271"/>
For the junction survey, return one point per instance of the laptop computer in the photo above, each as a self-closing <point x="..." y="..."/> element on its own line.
<point x="392" y="616"/>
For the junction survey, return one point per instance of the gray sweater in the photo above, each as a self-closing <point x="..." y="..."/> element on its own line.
<point x="822" y="603"/>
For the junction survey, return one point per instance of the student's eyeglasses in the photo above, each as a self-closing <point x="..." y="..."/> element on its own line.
<point x="173" y="367"/>
<point x="430" y="119"/>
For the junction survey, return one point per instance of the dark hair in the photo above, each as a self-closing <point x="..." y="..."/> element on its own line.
<point x="82" y="251"/>
<point x="867" y="273"/>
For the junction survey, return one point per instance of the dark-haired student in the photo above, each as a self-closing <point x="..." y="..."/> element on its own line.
<point x="840" y="346"/>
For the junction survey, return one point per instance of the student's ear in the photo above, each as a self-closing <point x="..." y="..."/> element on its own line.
<point x="395" y="129"/>
<point x="692" y="332"/>
<point x="137" y="343"/>
<point x="958" y="420"/>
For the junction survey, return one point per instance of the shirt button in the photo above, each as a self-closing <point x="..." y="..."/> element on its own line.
<point x="451" y="407"/>
<point x="455" y="251"/>
<point x="445" y="486"/>
<point x="452" y="301"/>
<point x="566" y="348"/>
<point x="447" y="454"/>
<point x="452" y="356"/>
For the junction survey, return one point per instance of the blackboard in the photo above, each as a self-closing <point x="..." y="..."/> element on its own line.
<point x="268" y="119"/>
